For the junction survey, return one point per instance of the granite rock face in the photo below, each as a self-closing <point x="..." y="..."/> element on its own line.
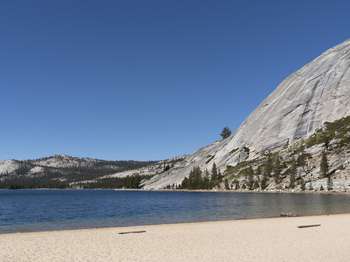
<point x="317" y="93"/>
<point x="7" y="166"/>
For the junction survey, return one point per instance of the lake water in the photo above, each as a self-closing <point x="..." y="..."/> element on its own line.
<point x="35" y="210"/>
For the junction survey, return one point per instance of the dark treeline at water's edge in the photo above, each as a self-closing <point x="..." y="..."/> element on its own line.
<point x="198" y="179"/>
<point x="132" y="182"/>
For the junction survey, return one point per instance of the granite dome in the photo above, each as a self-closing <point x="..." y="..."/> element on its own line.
<point x="317" y="93"/>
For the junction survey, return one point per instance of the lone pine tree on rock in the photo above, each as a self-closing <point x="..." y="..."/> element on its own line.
<point x="225" y="133"/>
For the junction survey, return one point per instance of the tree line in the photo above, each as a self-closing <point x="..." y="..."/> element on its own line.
<point x="199" y="179"/>
<point x="132" y="182"/>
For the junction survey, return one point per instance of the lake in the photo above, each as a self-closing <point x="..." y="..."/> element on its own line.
<point x="36" y="210"/>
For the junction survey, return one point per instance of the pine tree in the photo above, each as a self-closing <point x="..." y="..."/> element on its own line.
<point x="267" y="170"/>
<point x="227" y="185"/>
<point x="205" y="183"/>
<point x="236" y="184"/>
<point x="329" y="183"/>
<point x="185" y="183"/>
<point x="220" y="176"/>
<point x="324" y="165"/>
<point x="214" y="175"/>
<point x="196" y="178"/>
<point x="225" y="133"/>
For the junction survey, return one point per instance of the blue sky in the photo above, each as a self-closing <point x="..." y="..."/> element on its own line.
<point x="147" y="79"/>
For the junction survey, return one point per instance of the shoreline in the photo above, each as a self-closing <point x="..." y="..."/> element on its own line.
<point x="182" y="190"/>
<point x="169" y="224"/>
<point x="263" y="239"/>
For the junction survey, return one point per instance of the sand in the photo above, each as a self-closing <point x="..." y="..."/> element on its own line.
<point x="276" y="239"/>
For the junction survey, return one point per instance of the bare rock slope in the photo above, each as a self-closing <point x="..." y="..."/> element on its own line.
<point x="317" y="93"/>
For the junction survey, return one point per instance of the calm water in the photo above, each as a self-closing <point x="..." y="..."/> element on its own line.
<point x="31" y="210"/>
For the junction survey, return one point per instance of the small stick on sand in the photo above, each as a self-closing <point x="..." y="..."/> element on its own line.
<point x="132" y="232"/>
<point x="307" y="226"/>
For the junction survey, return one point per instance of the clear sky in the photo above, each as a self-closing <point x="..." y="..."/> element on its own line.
<point x="148" y="79"/>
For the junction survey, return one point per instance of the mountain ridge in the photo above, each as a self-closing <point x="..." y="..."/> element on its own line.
<point x="304" y="107"/>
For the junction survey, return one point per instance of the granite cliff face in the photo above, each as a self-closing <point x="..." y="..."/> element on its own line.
<point x="317" y="93"/>
<point x="290" y="131"/>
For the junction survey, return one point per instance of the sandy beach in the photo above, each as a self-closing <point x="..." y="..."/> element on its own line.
<point x="275" y="239"/>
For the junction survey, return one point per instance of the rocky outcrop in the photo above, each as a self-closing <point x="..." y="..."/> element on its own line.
<point x="302" y="103"/>
<point x="8" y="166"/>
